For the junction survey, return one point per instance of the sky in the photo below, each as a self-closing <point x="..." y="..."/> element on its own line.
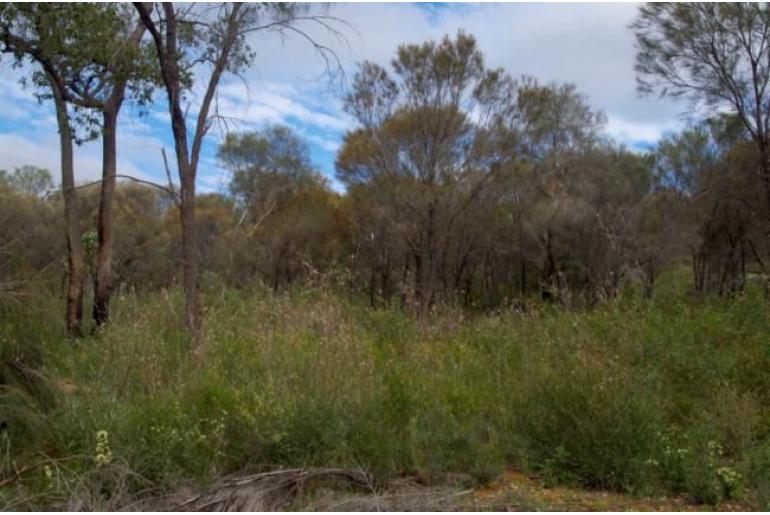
<point x="588" y="45"/>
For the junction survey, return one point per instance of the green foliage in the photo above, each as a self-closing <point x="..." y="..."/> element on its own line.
<point x="88" y="47"/>
<point x="662" y="396"/>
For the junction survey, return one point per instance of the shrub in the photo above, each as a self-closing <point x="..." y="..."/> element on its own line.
<point x="668" y="396"/>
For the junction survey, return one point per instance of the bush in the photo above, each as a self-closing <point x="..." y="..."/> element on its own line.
<point x="650" y="397"/>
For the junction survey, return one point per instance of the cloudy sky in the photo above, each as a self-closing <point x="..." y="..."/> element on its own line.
<point x="585" y="44"/>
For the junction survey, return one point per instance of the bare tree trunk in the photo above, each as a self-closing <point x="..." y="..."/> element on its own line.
<point x="74" y="313"/>
<point x="373" y="286"/>
<point x="458" y="273"/>
<point x="469" y="286"/>
<point x="419" y="283"/>
<point x="550" y="290"/>
<point x="110" y="110"/>
<point x="102" y="286"/>
<point x="764" y="164"/>
<point x="190" y="258"/>
<point x="649" y="279"/>
<point x="442" y="272"/>
<point x="405" y="282"/>
<point x="486" y="278"/>
<point x="385" y="279"/>
<point x="742" y="272"/>
<point x="699" y="265"/>
<point x="429" y="265"/>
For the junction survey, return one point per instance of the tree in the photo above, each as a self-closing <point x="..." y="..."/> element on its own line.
<point x="288" y="212"/>
<point x="31" y="180"/>
<point x="710" y="198"/>
<point x="556" y="135"/>
<point x="265" y="164"/>
<point x="35" y="32"/>
<point x="186" y="37"/>
<point x="717" y="55"/>
<point x="429" y="143"/>
<point x="112" y="39"/>
<point x="94" y="52"/>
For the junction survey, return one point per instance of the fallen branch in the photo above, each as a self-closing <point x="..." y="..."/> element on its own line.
<point x="268" y="489"/>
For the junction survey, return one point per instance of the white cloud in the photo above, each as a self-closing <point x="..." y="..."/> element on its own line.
<point x="589" y="45"/>
<point x="586" y="44"/>
<point x="43" y="151"/>
<point x="275" y="103"/>
<point x="330" y="145"/>
<point x="633" y="133"/>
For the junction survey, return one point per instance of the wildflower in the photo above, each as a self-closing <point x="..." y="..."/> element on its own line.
<point x="732" y="481"/>
<point x="728" y="475"/>
<point x="714" y="448"/>
<point x="103" y="452"/>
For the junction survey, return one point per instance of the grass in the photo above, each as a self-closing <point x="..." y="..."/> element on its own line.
<point x="670" y="396"/>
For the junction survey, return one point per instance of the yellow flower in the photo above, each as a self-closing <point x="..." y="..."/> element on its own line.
<point x="103" y="452"/>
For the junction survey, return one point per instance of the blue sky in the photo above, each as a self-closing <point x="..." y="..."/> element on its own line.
<point x="585" y="44"/>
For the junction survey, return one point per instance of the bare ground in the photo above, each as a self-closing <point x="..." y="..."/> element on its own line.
<point x="350" y="490"/>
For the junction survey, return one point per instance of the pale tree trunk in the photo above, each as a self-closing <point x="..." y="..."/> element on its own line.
<point x="74" y="313"/>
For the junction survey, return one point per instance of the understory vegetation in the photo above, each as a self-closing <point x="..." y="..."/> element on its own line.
<point x="664" y="396"/>
<point x="489" y="285"/>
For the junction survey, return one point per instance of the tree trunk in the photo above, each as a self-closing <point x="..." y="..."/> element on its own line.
<point x="419" y="284"/>
<point x="764" y="163"/>
<point x="169" y="54"/>
<point x="74" y="310"/>
<point x="190" y="258"/>
<point x="373" y="286"/>
<point x="765" y="174"/>
<point x="190" y="250"/>
<point x="740" y="280"/>
<point x="102" y="286"/>
<point x="700" y="271"/>
<point x="469" y="286"/>
<point x="385" y="279"/>
<point x="110" y="110"/>
<point x="428" y="266"/>
<point x="405" y="282"/>
<point x="649" y="279"/>
<point x="550" y="289"/>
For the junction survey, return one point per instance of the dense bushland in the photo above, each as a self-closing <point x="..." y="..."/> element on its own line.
<point x="663" y="396"/>
<point x="500" y="285"/>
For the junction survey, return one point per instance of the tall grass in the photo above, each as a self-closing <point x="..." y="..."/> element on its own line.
<point x="665" y="396"/>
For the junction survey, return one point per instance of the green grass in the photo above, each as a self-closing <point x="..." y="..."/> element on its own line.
<point x="666" y="396"/>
